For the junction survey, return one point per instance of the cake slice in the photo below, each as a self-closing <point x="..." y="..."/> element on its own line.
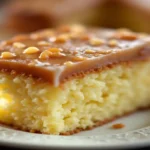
<point x="25" y="16"/>
<point x="72" y="78"/>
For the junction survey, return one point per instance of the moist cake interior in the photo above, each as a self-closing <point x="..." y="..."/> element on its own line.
<point x="77" y="104"/>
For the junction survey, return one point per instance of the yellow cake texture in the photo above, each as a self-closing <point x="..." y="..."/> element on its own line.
<point x="76" y="104"/>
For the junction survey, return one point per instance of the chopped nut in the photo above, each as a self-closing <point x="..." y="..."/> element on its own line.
<point x="126" y="35"/>
<point x="43" y="43"/>
<point x="45" y="54"/>
<point x="118" y="126"/>
<point x="31" y="50"/>
<point x="19" y="45"/>
<point x="7" y="55"/>
<point x="96" y="41"/>
<point x="112" y="43"/>
<point x="79" y="58"/>
<point x="58" y="54"/>
<point x="89" y="51"/>
<point x="52" y="39"/>
<point x="68" y="63"/>
<point x="123" y="30"/>
<point x="55" y="50"/>
<point x="74" y="35"/>
<point x="61" y="54"/>
<point x="62" y="38"/>
<point x="77" y="28"/>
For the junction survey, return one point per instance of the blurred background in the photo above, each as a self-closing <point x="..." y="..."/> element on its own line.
<point x="23" y="16"/>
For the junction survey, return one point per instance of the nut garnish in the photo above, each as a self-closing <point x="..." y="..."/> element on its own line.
<point x="55" y="50"/>
<point x="74" y="35"/>
<point x="123" y="30"/>
<point x="7" y="55"/>
<point x="77" y="28"/>
<point x="126" y="35"/>
<point x="79" y="58"/>
<point x="89" y="51"/>
<point x="62" y="38"/>
<point x="96" y="41"/>
<point x="45" y="54"/>
<point x="68" y="63"/>
<point x="59" y="54"/>
<point x="52" y="39"/>
<point x="31" y="50"/>
<point x="118" y="126"/>
<point x="19" y="45"/>
<point x="112" y="43"/>
<point x="43" y="43"/>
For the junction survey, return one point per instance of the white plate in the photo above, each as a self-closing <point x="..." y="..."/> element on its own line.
<point x="136" y="133"/>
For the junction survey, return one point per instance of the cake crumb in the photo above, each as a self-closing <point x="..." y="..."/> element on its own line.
<point x="118" y="126"/>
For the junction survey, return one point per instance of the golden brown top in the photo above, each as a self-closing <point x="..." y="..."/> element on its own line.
<point x="56" y="54"/>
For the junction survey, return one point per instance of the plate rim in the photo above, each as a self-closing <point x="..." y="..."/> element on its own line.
<point x="138" y="138"/>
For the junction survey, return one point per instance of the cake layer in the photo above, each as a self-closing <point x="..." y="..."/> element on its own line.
<point x="76" y="105"/>
<point x="67" y="51"/>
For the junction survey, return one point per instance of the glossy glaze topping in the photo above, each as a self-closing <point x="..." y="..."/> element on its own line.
<point x="57" y="54"/>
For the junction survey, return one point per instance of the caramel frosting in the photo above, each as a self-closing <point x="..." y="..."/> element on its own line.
<point x="57" y="54"/>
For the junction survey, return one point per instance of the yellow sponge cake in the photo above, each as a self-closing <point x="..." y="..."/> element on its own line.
<point x="62" y="81"/>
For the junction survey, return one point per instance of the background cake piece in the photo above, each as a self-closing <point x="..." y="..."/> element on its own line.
<point x="26" y="15"/>
<point x="133" y="14"/>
